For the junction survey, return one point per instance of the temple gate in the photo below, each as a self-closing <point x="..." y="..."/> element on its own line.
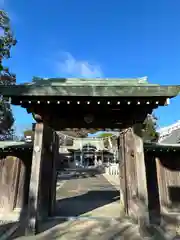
<point x="121" y="105"/>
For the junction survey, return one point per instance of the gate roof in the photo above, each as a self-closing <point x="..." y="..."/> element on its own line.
<point x="73" y="87"/>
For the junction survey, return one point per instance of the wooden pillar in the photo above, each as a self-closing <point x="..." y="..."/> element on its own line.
<point x="140" y="164"/>
<point x="40" y="180"/>
<point x="133" y="173"/>
<point x="140" y="198"/>
<point x="123" y="174"/>
<point x="34" y="189"/>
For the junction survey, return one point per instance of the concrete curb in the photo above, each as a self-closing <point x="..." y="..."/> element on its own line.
<point x="112" y="181"/>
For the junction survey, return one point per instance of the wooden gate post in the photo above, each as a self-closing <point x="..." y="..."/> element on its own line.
<point x="123" y="175"/>
<point x="127" y="169"/>
<point x="34" y="189"/>
<point x="41" y="176"/>
<point x="142" y="193"/>
<point x="133" y="173"/>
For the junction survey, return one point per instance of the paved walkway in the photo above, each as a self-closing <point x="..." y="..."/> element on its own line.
<point x="88" y="196"/>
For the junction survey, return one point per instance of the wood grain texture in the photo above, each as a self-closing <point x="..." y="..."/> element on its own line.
<point x="43" y="177"/>
<point x="133" y="174"/>
<point x="12" y="177"/>
<point x="34" y="189"/>
<point x="169" y="180"/>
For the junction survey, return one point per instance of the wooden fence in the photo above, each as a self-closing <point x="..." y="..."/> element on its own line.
<point x="15" y="164"/>
<point x="161" y="173"/>
<point x="163" y="179"/>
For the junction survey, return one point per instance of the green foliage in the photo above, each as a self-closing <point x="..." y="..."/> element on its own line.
<point x="6" y="78"/>
<point x="80" y="133"/>
<point x="7" y="40"/>
<point x="28" y="133"/>
<point x="105" y="134"/>
<point x="6" y="117"/>
<point x="149" y="129"/>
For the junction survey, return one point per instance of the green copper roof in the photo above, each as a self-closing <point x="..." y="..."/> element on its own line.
<point x="135" y="87"/>
<point x="90" y="82"/>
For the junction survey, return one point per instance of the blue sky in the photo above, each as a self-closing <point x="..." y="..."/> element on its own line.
<point x="68" y="38"/>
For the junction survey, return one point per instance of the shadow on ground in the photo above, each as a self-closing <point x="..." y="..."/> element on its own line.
<point x="100" y="229"/>
<point x="78" y="205"/>
<point x="75" y="176"/>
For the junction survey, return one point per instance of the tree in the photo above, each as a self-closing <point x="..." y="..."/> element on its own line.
<point x="149" y="129"/>
<point x="80" y="133"/>
<point x="109" y="138"/>
<point x="7" y="40"/>
<point x="105" y="135"/>
<point x="149" y="132"/>
<point x="29" y="133"/>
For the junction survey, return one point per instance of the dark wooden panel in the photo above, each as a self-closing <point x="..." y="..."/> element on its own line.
<point x="69" y="117"/>
<point x="30" y="100"/>
<point x="168" y="166"/>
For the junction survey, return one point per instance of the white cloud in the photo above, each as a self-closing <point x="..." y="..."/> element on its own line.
<point x="73" y="67"/>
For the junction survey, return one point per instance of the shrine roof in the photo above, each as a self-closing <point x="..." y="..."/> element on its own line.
<point x="131" y="87"/>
